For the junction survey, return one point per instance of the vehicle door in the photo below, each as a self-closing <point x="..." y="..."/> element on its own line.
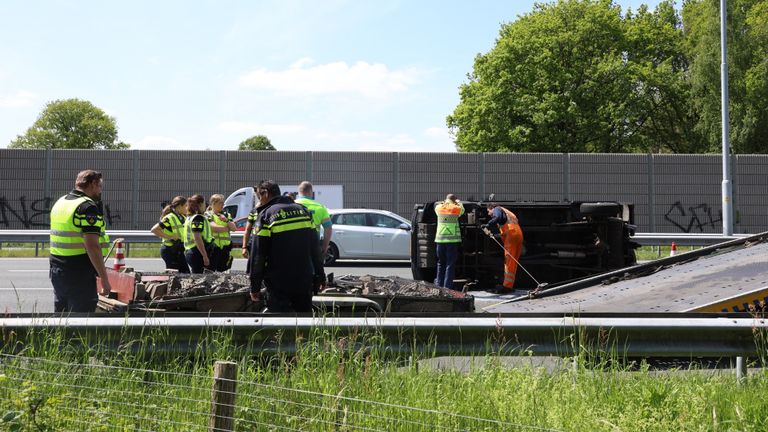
<point x="352" y="235"/>
<point x="391" y="239"/>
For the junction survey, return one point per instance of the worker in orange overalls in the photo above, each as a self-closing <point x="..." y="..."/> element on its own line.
<point x="512" y="239"/>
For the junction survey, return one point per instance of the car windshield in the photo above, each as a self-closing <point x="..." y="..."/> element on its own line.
<point x="357" y="219"/>
<point x="383" y="221"/>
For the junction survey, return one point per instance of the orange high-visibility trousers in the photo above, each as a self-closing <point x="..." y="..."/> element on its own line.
<point x="512" y="238"/>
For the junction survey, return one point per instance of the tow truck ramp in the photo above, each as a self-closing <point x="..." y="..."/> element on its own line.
<point x="727" y="277"/>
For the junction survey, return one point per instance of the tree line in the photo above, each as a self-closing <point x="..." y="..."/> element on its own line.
<point x="78" y="124"/>
<point x="583" y="76"/>
<point x="570" y="76"/>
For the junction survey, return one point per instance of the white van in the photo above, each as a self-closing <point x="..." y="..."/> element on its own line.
<point x="243" y="200"/>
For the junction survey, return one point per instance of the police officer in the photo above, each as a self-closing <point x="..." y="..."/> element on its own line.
<point x="221" y="225"/>
<point x="197" y="236"/>
<point x="286" y="257"/>
<point x="170" y="230"/>
<point x="78" y="244"/>
<point x="320" y="216"/>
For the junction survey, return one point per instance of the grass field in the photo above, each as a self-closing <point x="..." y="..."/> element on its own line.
<point x="332" y="386"/>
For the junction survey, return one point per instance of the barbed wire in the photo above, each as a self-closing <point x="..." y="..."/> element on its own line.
<point x="199" y="401"/>
<point x="284" y="389"/>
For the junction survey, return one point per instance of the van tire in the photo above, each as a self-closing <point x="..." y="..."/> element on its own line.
<point x="600" y="209"/>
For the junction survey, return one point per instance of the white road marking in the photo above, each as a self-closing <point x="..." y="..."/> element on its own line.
<point x="26" y="289"/>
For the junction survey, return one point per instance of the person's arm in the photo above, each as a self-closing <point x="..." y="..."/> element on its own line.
<point x="157" y="230"/>
<point x="327" y="233"/>
<point x="247" y="238"/>
<point x="263" y="245"/>
<point x="219" y="228"/>
<point x="93" y="248"/>
<point x="201" y="247"/>
<point x="319" y="280"/>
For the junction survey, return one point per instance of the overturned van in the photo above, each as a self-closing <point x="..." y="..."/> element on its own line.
<point x="563" y="241"/>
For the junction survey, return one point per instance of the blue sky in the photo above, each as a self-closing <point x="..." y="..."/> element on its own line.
<point x="358" y="75"/>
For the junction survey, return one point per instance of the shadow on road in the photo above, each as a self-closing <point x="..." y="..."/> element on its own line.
<point x="360" y="263"/>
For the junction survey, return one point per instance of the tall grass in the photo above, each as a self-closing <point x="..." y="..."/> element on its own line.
<point x="355" y="383"/>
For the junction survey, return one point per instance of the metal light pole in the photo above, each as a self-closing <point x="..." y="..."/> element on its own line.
<point x="727" y="197"/>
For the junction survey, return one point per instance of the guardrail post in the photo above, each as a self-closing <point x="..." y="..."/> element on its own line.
<point x="223" y="397"/>
<point x="741" y="370"/>
<point x="36" y="248"/>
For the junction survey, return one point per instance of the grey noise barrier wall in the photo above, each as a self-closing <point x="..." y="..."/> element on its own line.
<point x="671" y="193"/>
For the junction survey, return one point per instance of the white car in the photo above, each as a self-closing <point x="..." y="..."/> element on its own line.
<point x="368" y="234"/>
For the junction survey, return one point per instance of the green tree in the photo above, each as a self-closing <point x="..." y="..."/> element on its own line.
<point x="256" y="142"/>
<point x="71" y="124"/>
<point x="747" y="39"/>
<point x="578" y="76"/>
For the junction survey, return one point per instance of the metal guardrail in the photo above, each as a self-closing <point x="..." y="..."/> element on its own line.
<point x="679" y="337"/>
<point x="682" y="239"/>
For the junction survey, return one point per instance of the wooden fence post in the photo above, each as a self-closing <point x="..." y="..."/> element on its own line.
<point x="223" y="397"/>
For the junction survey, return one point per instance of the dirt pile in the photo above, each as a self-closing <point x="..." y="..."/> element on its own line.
<point x="389" y="286"/>
<point x="205" y="284"/>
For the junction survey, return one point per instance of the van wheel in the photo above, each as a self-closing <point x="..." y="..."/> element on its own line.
<point x="332" y="255"/>
<point x="600" y="209"/>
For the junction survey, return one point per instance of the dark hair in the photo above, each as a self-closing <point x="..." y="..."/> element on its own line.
<point x="193" y="204"/>
<point x="86" y="177"/>
<point x="176" y="201"/>
<point x="270" y="186"/>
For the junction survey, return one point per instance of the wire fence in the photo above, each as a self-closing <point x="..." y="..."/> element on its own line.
<point x="44" y="394"/>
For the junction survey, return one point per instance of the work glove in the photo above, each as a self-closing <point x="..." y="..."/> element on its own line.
<point x="486" y="230"/>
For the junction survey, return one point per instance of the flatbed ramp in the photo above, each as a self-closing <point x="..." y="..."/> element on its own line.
<point x="729" y="277"/>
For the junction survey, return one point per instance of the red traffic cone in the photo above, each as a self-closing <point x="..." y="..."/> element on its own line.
<point x="119" y="257"/>
<point x="673" y="249"/>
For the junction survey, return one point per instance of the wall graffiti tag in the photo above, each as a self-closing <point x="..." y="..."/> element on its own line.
<point x="33" y="214"/>
<point x="694" y="218"/>
<point x="29" y="213"/>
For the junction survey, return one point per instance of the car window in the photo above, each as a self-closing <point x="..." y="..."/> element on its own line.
<point x="357" y="219"/>
<point x="383" y="221"/>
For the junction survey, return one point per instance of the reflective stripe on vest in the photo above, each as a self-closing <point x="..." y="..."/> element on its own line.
<point x="177" y="228"/>
<point x="284" y="225"/>
<point x="66" y="238"/>
<point x="448" y="230"/>
<point x="220" y="239"/>
<point x="189" y="237"/>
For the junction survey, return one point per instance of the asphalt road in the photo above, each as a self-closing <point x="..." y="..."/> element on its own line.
<point x="25" y="287"/>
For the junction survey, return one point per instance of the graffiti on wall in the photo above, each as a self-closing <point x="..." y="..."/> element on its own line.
<point x="695" y="218"/>
<point x="33" y="214"/>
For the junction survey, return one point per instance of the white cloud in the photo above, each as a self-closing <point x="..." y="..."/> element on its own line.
<point x="304" y="78"/>
<point x="157" y="143"/>
<point x="438" y="133"/>
<point x="18" y="100"/>
<point x="249" y="129"/>
<point x="299" y="137"/>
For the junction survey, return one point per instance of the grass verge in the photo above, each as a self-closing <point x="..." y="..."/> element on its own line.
<point x="335" y="384"/>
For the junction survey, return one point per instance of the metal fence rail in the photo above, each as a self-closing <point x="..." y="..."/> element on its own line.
<point x="137" y="236"/>
<point x="686" y="336"/>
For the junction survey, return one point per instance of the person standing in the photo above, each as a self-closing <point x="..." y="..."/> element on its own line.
<point x="447" y="239"/>
<point x="511" y="237"/>
<point x="170" y="230"/>
<point x="320" y="216"/>
<point x="285" y="257"/>
<point x="221" y="225"/>
<point x="78" y="244"/>
<point x="197" y="236"/>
